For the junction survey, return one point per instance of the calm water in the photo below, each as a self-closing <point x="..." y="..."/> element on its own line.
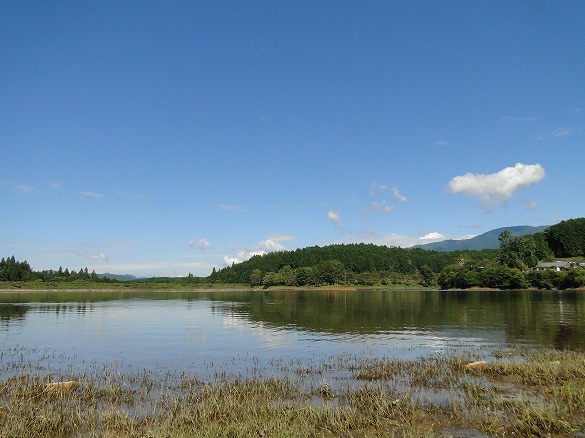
<point x="235" y="330"/>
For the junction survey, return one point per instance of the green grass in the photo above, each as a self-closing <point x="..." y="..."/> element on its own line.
<point x="529" y="392"/>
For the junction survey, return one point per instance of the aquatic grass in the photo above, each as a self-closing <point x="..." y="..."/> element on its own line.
<point x="519" y="392"/>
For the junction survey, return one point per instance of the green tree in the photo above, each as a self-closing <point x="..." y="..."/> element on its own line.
<point x="270" y="279"/>
<point x="567" y="238"/>
<point x="256" y="277"/>
<point x="330" y="272"/>
<point x="574" y="279"/>
<point x="305" y="276"/>
<point x="287" y="276"/>
<point x="428" y="276"/>
<point x="517" y="252"/>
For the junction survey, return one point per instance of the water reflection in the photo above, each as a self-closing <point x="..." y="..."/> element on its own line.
<point x="11" y="314"/>
<point x="181" y="329"/>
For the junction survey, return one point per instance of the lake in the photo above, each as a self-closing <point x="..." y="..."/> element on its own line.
<point x="200" y="332"/>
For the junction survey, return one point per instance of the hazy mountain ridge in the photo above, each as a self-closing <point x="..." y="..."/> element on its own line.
<point x="487" y="240"/>
<point x="119" y="277"/>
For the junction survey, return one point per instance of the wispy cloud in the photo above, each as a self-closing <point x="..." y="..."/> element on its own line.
<point x="563" y="131"/>
<point x="17" y="244"/>
<point x="382" y="206"/>
<point x="196" y="265"/>
<point x="201" y="243"/>
<point x="123" y="194"/>
<point x="150" y="268"/>
<point x="334" y="216"/>
<point x="516" y="119"/>
<point x="232" y="207"/>
<point x="530" y="205"/>
<point x="497" y="187"/>
<point x="376" y="187"/>
<point x="281" y="237"/>
<point x="20" y="187"/>
<point x="376" y="191"/>
<point x="441" y="143"/>
<point x="56" y="185"/>
<point x="119" y="244"/>
<point x="96" y="255"/>
<point x="94" y="195"/>
<point x="398" y="196"/>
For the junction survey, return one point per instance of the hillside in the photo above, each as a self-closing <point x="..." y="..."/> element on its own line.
<point x="487" y="240"/>
<point x="357" y="258"/>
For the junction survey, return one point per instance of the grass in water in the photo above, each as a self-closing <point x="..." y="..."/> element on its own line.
<point x="530" y="392"/>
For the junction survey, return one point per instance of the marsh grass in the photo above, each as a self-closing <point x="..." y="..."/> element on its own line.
<point x="518" y="393"/>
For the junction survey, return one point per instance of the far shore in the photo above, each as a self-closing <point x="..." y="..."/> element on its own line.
<point x="236" y="288"/>
<point x="26" y="287"/>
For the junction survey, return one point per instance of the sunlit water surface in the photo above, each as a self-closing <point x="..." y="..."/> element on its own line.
<point x="206" y="333"/>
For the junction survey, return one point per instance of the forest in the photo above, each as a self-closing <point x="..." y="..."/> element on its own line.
<point x="13" y="270"/>
<point x="512" y="266"/>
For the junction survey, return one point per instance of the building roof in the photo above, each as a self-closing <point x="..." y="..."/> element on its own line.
<point x="557" y="264"/>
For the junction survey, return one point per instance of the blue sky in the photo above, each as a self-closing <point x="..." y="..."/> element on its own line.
<point x="165" y="137"/>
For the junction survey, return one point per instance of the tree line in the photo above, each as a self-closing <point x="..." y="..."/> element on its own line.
<point x="518" y="258"/>
<point x="360" y="264"/>
<point x="512" y="266"/>
<point x="13" y="270"/>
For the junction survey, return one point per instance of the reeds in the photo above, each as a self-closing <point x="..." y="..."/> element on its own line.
<point x="532" y="392"/>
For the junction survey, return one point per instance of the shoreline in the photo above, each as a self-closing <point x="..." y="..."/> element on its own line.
<point x="125" y="287"/>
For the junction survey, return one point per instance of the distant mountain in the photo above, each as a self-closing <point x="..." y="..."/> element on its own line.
<point x="488" y="240"/>
<point x="124" y="277"/>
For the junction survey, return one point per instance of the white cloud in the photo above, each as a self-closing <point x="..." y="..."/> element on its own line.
<point x="271" y="245"/>
<point x="398" y="196"/>
<point x="93" y="255"/>
<point x="497" y="187"/>
<point x="382" y="206"/>
<point x="530" y="205"/>
<point x="96" y="256"/>
<point x="55" y="185"/>
<point x="228" y="261"/>
<point x="400" y="240"/>
<point x="199" y="244"/>
<point x="241" y="256"/>
<point x="441" y="143"/>
<point x="262" y="247"/>
<point x="92" y="195"/>
<point x="334" y="216"/>
<point x="432" y="236"/>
